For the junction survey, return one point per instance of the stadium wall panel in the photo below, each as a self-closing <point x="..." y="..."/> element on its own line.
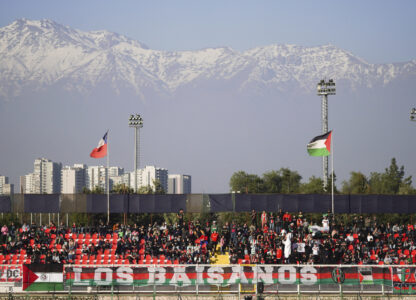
<point x="35" y="203"/>
<point x="5" y="204"/>
<point x="207" y="203"/>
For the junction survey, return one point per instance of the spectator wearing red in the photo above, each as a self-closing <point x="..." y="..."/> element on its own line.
<point x="263" y="219"/>
<point x="287" y="219"/>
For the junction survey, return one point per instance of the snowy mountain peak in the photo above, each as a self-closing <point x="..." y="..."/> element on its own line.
<point x="39" y="54"/>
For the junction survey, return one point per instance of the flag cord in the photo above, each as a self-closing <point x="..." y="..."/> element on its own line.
<point x="108" y="181"/>
<point x="332" y="185"/>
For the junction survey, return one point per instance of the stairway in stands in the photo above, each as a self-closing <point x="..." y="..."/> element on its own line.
<point x="220" y="259"/>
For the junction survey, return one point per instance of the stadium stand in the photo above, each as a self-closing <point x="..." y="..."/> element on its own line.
<point x="280" y="238"/>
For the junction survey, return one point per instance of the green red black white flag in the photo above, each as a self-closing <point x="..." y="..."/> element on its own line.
<point x="320" y="145"/>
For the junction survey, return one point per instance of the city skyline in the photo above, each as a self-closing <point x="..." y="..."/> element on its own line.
<point x="49" y="177"/>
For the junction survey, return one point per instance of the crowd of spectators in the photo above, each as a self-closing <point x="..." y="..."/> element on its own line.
<point x="284" y="238"/>
<point x="270" y="238"/>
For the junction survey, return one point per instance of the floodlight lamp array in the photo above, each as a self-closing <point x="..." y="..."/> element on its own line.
<point x="413" y="114"/>
<point x="326" y="87"/>
<point x="135" y="121"/>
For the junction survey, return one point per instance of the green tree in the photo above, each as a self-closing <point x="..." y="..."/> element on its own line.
<point x="246" y="183"/>
<point x="159" y="190"/>
<point x="392" y="181"/>
<point x="96" y="190"/>
<point x="357" y="184"/>
<point x="145" y="190"/>
<point x="406" y="187"/>
<point x="393" y="177"/>
<point x="375" y="183"/>
<point x="272" y="182"/>
<point x="122" y="188"/>
<point x="315" y="185"/>
<point x="329" y="184"/>
<point x="290" y="181"/>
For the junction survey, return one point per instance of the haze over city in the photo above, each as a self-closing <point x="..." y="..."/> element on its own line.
<point x="221" y="87"/>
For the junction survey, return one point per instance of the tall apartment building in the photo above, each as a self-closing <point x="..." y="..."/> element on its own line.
<point x="147" y="175"/>
<point x="121" y="179"/>
<point x="45" y="179"/>
<point x="96" y="177"/>
<point x="3" y="180"/>
<point x="116" y="176"/>
<point x="8" y="189"/>
<point x="179" y="184"/>
<point x="115" y="171"/>
<point x="73" y="179"/>
<point x="26" y="184"/>
<point x="49" y="173"/>
<point x="5" y="187"/>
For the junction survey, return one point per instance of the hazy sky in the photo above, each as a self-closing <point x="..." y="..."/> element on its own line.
<point x="378" y="31"/>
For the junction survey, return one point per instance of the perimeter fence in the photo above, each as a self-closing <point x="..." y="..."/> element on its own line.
<point x="208" y="280"/>
<point x="205" y="203"/>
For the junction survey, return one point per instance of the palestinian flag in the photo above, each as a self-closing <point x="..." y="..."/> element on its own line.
<point x="375" y="275"/>
<point x="43" y="277"/>
<point x="320" y="145"/>
<point x="366" y="275"/>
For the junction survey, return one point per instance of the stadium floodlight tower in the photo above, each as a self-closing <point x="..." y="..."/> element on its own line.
<point x="136" y="122"/>
<point x="413" y="114"/>
<point x="325" y="88"/>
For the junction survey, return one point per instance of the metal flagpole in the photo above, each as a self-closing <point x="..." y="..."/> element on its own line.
<point x="108" y="181"/>
<point x="332" y="164"/>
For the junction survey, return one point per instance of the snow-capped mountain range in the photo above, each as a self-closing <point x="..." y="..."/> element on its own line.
<point x="35" y="55"/>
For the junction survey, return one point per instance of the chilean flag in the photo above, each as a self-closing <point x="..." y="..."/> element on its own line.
<point x="101" y="149"/>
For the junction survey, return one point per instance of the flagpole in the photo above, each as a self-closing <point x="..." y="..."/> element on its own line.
<point x="332" y="164"/>
<point x="108" y="181"/>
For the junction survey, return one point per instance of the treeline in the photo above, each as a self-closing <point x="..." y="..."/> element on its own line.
<point x="285" y="181"/>
<point x="122" y="188"/>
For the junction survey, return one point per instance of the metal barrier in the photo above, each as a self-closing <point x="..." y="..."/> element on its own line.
<point x="209" y="279"/>
<point x="240" y="279"/>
